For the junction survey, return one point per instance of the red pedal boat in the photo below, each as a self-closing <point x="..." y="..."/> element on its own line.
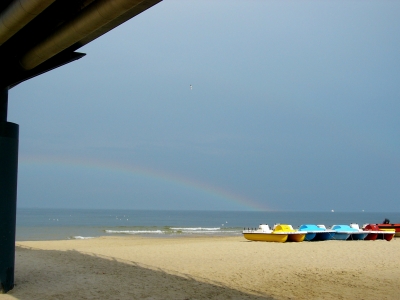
<point x="387" y="225"/>
<point x="377" y="233"/>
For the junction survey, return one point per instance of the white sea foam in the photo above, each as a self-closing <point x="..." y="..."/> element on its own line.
<point x="78" y="237"/>
<point x="134" y="231"/>
<point x="188" y="229"/>
<point x="174" y="230"/>
<point x="208" y="232"/>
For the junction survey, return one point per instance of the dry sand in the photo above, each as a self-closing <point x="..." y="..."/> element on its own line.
<point x="205" y="268"/>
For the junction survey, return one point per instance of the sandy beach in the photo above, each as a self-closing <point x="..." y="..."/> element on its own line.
<point x="205" y="268"/>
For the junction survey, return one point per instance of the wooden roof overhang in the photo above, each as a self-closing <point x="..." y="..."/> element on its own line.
<point x="37" y="36"/>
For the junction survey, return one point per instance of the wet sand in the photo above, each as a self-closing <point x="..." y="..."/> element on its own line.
<point x="205" y="268"/>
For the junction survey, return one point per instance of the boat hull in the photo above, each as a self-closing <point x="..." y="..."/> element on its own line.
<point x="387" y="235"/>
<point x="324" y="236"/>
<point x="298" y="237"/>
<point x="341" y="236"/>
<point x="371" y="237"/>
<point x="266" y="237"/>
<point x="357" y="236"/>
<point x="310" y="236"/>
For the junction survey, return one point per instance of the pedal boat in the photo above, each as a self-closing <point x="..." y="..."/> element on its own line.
<point x="265" y="234"/>
<point x="361" y="234"/>
<point x="317" y="232"/>
<point x="374" y="232"/>
<point x="345" y="232"/>
<point x="293" y="235"/>
<point x="386" y="225"/>
<point x="387" y="234"/>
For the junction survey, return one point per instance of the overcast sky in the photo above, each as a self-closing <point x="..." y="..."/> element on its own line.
<point x="294" y="105"/>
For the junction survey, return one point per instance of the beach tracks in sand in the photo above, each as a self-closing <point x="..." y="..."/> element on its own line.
<point x="52" y="274"/>
<point x="205" y="268"/>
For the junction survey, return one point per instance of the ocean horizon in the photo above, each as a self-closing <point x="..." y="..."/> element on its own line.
<point x="62" y="224"/>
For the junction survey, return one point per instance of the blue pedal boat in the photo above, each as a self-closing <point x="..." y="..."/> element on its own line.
<point x="360" y="234"/>
<point x="345" y="232"/>
<point x="317" y="232"/>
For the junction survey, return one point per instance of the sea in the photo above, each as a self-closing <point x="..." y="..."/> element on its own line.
<point x="63" y="224"/>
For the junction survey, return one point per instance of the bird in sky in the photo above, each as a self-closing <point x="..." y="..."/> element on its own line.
<point x="191" y="87"/>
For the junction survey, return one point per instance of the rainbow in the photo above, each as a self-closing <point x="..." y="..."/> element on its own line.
<point x="146" y="173"/>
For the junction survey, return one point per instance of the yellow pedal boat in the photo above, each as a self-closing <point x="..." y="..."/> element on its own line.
<point x="264" y="234"/>
<point x="293" y="235"/>
<point x="280" y="234"/>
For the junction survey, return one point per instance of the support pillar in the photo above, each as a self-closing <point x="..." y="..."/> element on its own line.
<point x="8" y="194"/>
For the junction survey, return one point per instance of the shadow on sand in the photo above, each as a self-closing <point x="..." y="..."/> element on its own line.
<point x="49" y="274"/>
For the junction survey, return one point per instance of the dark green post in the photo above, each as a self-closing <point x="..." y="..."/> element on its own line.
<point x="8" y="194"/>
